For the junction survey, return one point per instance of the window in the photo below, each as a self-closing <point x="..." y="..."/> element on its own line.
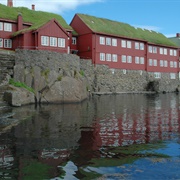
<point x="175" y="64"/>
<point x="74" y="40"/>
<point x="165" y="51"/>
<point x="150" y="49"/>
<point x="102" y="40"/>
<point x="61" y="42"/>
<point x="161" y="63"/>
<point x="165" y="64"/>
<point x="175" y="53"/>
<point x="8" y="43"/>
<point x="8" y="27"/>
<point x="114" y="42"/>
<point x="154" y="49"/>
<point x="114" y="58"/>
<point x="141" y="60"/>
<point x="136" y="45"/>
<point x="1" y="42"/>
<point x="157" y="75"/>
<point x="171" y="52"/>
<point x="123" y="58"/>
<point x="155" y="62"/>
<point x="44" y="40"/>
<point x="150" y="62"/>
<point x="128" y="44"/>
<point x="129" y="59"/>
<point x="108" y="57"/>
<point x="172" y="76"/>
<point x="1" y="26"/>
<point x="137" y="60"/>
<point x="171" y="64"/>
<point x="108" y="41"/>
<point x="102" y="56"/>
<point x="141" y="46"/>
<point x="53" y="41"/>
<point x="161" y="51"/>
<point x="123" y="43"/>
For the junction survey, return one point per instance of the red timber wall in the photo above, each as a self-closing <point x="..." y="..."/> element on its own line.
<point x="52" y="30"/>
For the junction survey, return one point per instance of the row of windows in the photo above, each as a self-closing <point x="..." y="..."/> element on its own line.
<point x="5" y="27"/>
<point x="162" y="63"/>
<point x="108" y="57"/>
<point x="139" y="46"/>
<point x="6" y="43"/>
<point x="52" y="41"/>
<point x="157" y="75"/>
<point x="153" y="49"/>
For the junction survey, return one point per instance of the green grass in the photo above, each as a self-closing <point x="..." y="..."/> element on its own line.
<point x="101" y="25"/>
<point x="36" y="18"/>
<point x="20" y="84"/>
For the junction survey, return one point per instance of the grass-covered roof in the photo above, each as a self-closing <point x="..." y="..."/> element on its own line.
<point x="37" y="18"/>
<point x="176" y="40"/>
<point x="101" y="25"/>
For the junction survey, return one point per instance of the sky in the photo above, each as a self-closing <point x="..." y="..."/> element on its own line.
<point x="158" y="15"/>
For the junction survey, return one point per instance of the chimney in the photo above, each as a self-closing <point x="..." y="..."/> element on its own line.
<point x="20" y="21"/>
<point x="177" y="34"/>
<point x="33" y="7"/>
<point x="10" y="3"/>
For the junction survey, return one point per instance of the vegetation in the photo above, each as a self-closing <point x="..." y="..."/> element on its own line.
<point x="81" y="72"/>
<point x="36" y="18"/>
<point x="20" y="84"/>
<point x="59" y="78"/>
<point x="45" y="73"/>
<point x="101" y="25"/>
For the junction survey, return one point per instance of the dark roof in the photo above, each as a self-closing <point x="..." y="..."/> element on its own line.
<point x="106" y="26"/>
<point x="37" y="18"/>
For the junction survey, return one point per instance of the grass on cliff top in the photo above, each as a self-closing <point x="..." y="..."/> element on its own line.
<point x="101" y="25"/>
<point x="21" y="85"/>
<point x="36" y="18"/>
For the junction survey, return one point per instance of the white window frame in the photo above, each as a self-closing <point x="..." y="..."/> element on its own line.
<point x="1" y="42"/>
<point x="141" y="46"/>
<point x="161" y="63"/>
<point x="175" y="64"/>
<point x="102" y="40"/>
<point x="175" y="52"/>
<point x="1" y="26"/>
<point x="154" y="62"/>
<point x="8" y="27"/>
<point x="45" y="40"/>
<point x="129" y="59"/>
<point x="74" y="40"/>
<point x="171" y="64"/>
<point x="141" y="60"/>
<point x="108" y="41"/>
<point x="161" y="51"/>
<point x="150" y="49"/>
<point x="165" y="63"/>
<point x="53" y="41"/>
<point x="154" y="49"/>
<point x="114" y="42"/>
<point x="157" y="75"/>
<point x="123" y="43"/>
<point x="108" y="57"/>
<point x="129" y="44"/>
<point x="102" y="56"/>
<point x="150" y="62"/>
<point x="114" y="57"/>
<point x="136" y="45"/>
<point x="123" y="58"/>
<point x="137" y="60"/>
<point x="61" y="42"/>
<point x="7" y="43"/>
<point x="172" y="76"/>
<point x="165" y="51"/>
<point x="171" y="52"/>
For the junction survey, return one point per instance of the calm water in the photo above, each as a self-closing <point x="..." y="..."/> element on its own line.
<point x="107" y="137"/>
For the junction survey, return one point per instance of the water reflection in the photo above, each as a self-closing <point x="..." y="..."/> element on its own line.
<point x="79" y="140"/>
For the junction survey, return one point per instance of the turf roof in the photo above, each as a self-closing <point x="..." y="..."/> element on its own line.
<point x="176" y="40"/>
<point x="101" y="25"/>
<point x="37" y="18"/>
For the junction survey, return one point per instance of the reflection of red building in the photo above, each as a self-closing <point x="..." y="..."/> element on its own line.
<point x="143" y="127"/>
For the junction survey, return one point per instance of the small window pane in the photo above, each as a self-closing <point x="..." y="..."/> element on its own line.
<point x="102" y="56"/>
<point x="102" y="40"/>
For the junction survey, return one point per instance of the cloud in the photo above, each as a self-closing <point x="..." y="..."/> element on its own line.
<point x="59" y="6"/>
<point x="152" y="28"/>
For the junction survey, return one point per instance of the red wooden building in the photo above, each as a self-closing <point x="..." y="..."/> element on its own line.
<point x="29" y="29"/>
<point x="121" y="46"/>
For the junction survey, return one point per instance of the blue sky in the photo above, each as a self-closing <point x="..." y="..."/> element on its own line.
<point x="158" y="15"/>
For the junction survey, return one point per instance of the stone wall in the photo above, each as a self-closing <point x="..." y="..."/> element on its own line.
<point x="105" y="80"/>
